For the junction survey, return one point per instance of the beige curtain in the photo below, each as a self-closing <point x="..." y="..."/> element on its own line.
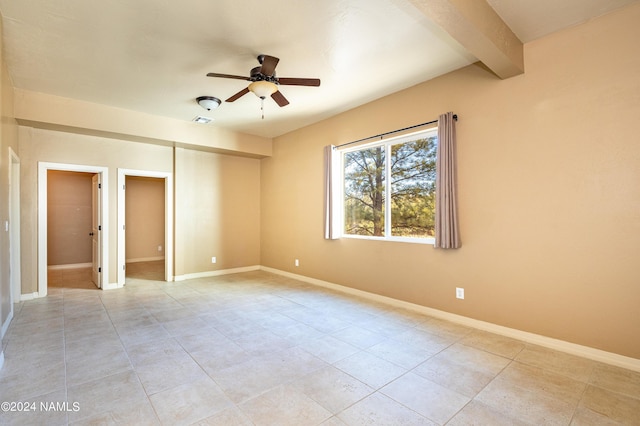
<point x="330" y="220"/>
<point x="447" y="231"/>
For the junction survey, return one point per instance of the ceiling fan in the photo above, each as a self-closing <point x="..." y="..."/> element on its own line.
<point x="264" y="81"/>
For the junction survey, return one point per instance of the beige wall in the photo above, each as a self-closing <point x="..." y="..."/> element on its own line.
<point x="549" y="184"/>
<point x="144" y="218"/>
<point x="69" y="217"/>
<point x="217" y="212"/>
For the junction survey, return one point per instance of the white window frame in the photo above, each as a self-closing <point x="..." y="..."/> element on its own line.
<point x="387" y="143"/>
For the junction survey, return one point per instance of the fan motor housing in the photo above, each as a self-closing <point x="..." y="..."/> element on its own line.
<point x="256" y="75"/>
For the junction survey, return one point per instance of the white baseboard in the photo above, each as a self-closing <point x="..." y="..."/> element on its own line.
<point x="548" y="342"/>
<point x="111" y="286"/>
<point x="216" y="273"/>
<point x="144" y="259"/>
<point x="30" y="296"/>
<point x="70" y="266"/>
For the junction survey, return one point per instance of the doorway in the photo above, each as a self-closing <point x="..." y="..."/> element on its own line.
<point x="73" y="223"/>
<point x="152" y="244"/>
<point x="98" y="244"/>
<point x="144" y="228"/>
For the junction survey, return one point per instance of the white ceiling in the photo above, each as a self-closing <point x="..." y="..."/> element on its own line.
<point x="153" y="56"/>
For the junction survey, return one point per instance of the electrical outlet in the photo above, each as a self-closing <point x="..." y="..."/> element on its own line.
<point x="213" y="259"/>
<point x="297" y="262"/>
<point x="159" y="248"/>
<point x="459" y="293"/>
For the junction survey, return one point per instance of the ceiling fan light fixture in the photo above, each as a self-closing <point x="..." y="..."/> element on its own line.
<point x="208" y="102"/>
<point x="262" y="88"/>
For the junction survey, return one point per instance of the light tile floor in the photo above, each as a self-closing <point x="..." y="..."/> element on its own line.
<point x="260" y="349"/>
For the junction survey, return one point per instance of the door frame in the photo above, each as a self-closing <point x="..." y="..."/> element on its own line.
<point x="15" y="279"/>
<point x="103" y="179"/>
<point x="96" y="224"/>
<point x="168" y="220"/>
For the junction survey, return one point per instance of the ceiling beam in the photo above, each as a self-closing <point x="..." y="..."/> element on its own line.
<point x="479" y="29"/>
<point x="51" y="112"/>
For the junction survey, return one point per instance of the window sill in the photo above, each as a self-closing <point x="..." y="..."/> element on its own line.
<point x="425" y="241"/>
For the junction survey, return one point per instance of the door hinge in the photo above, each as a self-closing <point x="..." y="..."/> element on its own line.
<point x="99" y="269"/>
<point x="99" y="186"/>
<point x="99" y="227"/>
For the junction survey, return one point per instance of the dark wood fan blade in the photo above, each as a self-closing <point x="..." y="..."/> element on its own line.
<point x="237" y="77"/>
<point x="279" y="98"/>
<point x="299" y="81"/>
<point x="238" y="95"/>
<point x="269" y="65"/>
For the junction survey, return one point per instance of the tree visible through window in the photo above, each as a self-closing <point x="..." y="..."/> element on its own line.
<point x="401" y="174"/>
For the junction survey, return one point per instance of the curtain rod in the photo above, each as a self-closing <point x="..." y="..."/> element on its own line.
<point x="455" y="117"/>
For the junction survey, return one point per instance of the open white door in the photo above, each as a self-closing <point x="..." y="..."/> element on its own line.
<point x="95" y="230"/>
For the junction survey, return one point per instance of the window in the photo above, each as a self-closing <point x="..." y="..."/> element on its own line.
<point x="389" y="189"/>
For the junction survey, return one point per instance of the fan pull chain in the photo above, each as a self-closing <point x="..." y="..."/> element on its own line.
<point x="262" y="106"/>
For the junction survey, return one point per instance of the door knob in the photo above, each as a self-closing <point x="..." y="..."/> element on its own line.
<point x="91" y="234"/>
